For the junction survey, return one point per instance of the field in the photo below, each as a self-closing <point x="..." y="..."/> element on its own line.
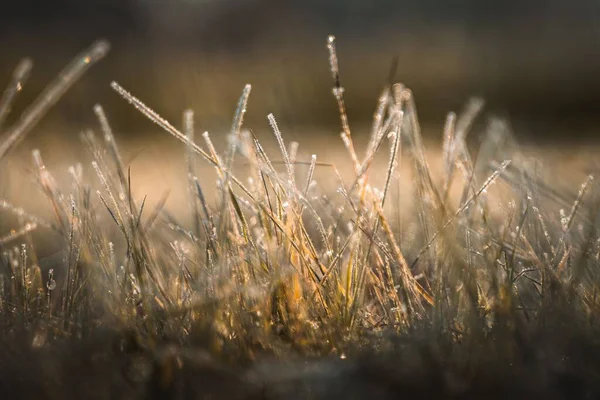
<point x="365" y="266"/>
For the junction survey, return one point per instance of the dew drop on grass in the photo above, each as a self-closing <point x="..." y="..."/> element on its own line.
<point x="563" y="219"/>
<point x="51" y="284"/>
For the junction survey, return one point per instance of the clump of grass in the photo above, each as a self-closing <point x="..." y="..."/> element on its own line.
<point x="278" y="268"/>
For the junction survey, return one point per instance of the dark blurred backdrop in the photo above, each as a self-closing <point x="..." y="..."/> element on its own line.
<point x="537" y="62"/>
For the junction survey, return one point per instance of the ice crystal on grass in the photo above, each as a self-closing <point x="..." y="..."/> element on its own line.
<point x="50" y="95"/>
<point x="480" y="263"/>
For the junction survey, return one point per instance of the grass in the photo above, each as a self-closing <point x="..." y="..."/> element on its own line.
<point x="486" y="287"/>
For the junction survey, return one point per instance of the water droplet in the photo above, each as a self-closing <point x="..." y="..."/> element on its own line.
<point x="51" y="284"/>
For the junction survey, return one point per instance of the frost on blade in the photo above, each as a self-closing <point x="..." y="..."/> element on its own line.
<point x="284" y="152"/>
<point x="338" y="93"/>
<point x="51" y="94"/>
<point x="157" y="119"/>
<point x="238" y="119"/>
<point x="19" y="78"/>
<point x="465" y="205"/>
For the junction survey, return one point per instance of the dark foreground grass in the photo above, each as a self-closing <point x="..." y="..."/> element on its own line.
<point x="486" y="286"/>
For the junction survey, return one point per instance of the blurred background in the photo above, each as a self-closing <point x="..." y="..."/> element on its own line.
<point x="535" y="62"/>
